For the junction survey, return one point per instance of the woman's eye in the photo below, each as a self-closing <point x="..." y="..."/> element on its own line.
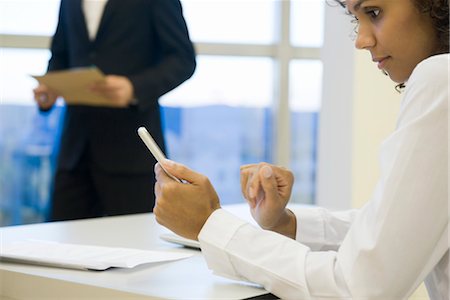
<point x="373" y="13"/>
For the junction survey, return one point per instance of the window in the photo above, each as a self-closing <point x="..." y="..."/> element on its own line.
<point x="307" y="14"/>
<point x="225" y="21"/>
<point x="27" y="143"/>
<point x="28" y="17"/>
<point x="226" y="80"/>
<point x="305" y="102"/>
<point x="219" y="90"/>
<point x="255" y="96"/>
<point x="218" y="120"/>
<point x="18" y="65"/>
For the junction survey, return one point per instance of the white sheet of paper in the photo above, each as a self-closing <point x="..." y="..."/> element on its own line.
<point x="82" y="256"/>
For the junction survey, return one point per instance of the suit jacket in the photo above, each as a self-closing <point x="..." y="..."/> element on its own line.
<point x="144" y="40"/>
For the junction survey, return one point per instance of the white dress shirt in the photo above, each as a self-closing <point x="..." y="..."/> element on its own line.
<point x="382" y="251"/>
<point x="93" y="12"/>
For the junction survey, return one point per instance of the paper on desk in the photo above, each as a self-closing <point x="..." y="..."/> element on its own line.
<point x="73" y="85"/>
<point x="82" y="256"/>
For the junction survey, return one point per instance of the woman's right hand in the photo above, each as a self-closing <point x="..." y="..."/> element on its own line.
<point x="44" y="97"/>
<point x="267" y="189"/>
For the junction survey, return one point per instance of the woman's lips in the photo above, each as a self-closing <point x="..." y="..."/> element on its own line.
<point x="381" y="62"/>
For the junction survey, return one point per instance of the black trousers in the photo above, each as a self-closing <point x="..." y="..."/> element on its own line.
<point x="88" y="192"/>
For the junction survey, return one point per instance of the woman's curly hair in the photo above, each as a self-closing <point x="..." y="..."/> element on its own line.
<point x="438" y="11"/>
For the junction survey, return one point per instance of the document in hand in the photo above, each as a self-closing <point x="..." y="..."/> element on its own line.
<point x="73" y="85"/>
<point x="82" y="256"/>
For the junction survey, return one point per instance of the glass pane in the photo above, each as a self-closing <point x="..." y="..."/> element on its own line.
<point x="216" y="140"/>
<point x="305" y="99"/>
<point x="227" y="80"/>
<point x="28" y="147"/>
<point x="29" y="17"/>
<point x="220" y="119"/>
<point x="27" y="139"/>
<point x="307" y="20"/>
<point x="230" y="21"/>
<point x="305" y="85"/>
<point x="16" y="66"/>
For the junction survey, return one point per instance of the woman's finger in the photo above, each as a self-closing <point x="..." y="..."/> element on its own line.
<point x="244" y="175"/>
<point x="182" y="172"/>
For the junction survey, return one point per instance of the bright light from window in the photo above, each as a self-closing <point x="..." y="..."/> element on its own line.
<point x="305" y="85"/>
<point x="28" y="17"/>
<point x="16" y="66"/>
<point x="233" y="81"/>
<point x="307" y="20"/>
<point x="230" y="21"/>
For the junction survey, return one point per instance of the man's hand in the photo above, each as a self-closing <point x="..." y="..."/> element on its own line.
<point x="118" y="89"/>
<point x="267" y="189"/>
<point x="44" y="97"/>
<point x="183" y="207"/>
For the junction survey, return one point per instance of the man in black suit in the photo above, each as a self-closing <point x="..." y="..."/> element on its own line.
<point x="144" y="48"/>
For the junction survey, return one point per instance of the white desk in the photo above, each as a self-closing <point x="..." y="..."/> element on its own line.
<point x="185" y="279"/>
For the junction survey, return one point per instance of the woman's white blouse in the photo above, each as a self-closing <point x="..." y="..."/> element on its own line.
<point x="93" y="12"/>
<point x="382" y="251"/>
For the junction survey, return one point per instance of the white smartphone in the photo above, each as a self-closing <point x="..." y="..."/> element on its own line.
<point x="154" y="149"/>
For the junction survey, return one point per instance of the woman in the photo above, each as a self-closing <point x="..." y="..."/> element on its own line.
<point x="144" y="50"/>
<point x="391" y="245"/>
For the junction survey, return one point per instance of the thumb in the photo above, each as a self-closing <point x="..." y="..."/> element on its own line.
<point x="268" y="182"/>
<point x="181" y="171"/>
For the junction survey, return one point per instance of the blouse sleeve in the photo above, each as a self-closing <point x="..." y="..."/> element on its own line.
<point x="321" y="229"/>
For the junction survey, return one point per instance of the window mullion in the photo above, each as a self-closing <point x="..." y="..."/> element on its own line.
<point x="281" y="116"/>
<point x="24" y="41"/>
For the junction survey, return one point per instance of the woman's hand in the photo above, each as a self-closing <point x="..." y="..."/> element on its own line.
<point x="118" y="89"/>
<point x="267" y="189"/>
<point x="183" y="207"/>
<point x="44" y="97"/>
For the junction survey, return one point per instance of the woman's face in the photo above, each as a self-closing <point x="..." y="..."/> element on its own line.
<point x="397" y="35"/>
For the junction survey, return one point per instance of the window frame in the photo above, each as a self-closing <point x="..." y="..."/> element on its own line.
<point x="334" y="155"/>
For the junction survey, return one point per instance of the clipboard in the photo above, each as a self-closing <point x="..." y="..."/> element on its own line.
<point x="73" y="86"/>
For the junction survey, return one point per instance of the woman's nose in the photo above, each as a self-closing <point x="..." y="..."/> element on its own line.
<point x="364" y="38"/>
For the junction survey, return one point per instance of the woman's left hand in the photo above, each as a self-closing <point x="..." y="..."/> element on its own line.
<point x="267" y="189"/>
<point x="183" y="207"/>
<point x="118" y="89"/>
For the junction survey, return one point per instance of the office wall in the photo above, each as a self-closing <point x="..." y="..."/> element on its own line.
<point x="334" y="155"/>
<point x="375" y="108"/>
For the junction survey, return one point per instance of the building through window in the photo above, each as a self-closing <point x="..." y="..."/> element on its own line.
<point x="255" y="96"/>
